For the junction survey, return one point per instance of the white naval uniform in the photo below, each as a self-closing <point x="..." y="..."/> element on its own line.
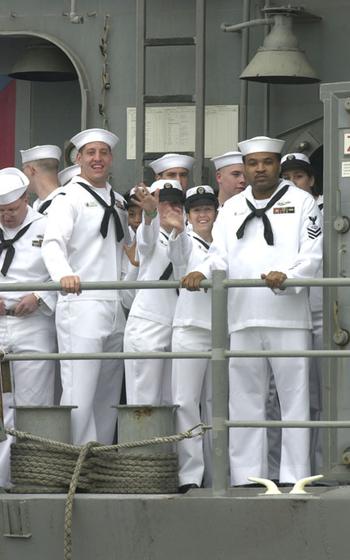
<point x="191" y="378"/>
<point x="130" y="273"/>
<point x="32" y="382"/>
<point x="315" y="388"/>
<point x="94" y="320"/>
<point x="259" y="318"/>
<point x="38" y="202"/>
<point x="149" y="324"/>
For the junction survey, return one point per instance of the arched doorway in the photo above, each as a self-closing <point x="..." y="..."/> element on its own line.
<point x="35" y="111"/>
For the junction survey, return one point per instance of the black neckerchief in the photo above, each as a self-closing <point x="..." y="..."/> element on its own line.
<point x="204" y="243"/>
<point x="45" y="205"/>
<point x="169" y="269"/>
<point x="261" y="213"/>
<point x="109" y="211"/>
<point x="7" y="245"/>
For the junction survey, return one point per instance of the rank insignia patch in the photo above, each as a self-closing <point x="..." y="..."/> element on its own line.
<point x="284" y="210"/>
<point x="313" y="230"/>
<point x="37" y="242"/>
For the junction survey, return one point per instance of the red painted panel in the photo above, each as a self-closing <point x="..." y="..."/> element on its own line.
<point x="7" y="124"/>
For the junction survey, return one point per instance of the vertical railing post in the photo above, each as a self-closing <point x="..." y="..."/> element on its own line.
<point x="220" y="383"/>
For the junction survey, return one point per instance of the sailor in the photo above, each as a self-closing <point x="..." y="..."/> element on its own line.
<point x="67" y="174"/>
<point x="191" y="379"/>
<point x="149" y="325"/>
<point x="40" y="165"/>
<point x="134" y="211"/>
<point x="173" y="166"/>
<point x="296" y="167"/>
<point x="84" y="240"/>
<point x="229" y="175"/>
<point x="271" y="230"/>
<point x="131" y="260"/>
<point x="26" y="319"/>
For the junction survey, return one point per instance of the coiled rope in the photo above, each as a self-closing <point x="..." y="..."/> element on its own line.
<point x="43" y="465"/>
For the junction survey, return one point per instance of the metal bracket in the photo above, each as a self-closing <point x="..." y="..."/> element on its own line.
<point x="16" y="519"/>
<point x="298" y="12"/>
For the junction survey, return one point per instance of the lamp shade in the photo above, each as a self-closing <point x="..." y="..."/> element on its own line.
<point x="280" y="60"/>
<point x="43" y="63"/>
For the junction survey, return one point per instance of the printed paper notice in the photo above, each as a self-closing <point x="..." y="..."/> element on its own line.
<point x="172" y="129"/>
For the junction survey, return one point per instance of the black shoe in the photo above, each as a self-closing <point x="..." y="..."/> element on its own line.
<point x="186" y="487"/>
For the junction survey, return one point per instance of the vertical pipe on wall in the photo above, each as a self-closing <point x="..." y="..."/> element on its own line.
<point x="266" y="123"/>
<point x="243" y="102"/>
<point x="200" y="92"/>
<point x="140" y="87"/>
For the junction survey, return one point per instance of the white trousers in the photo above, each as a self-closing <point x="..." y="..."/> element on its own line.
<point x="248" y="382"/>
<point x="32" y="382"/>
<point x="94" y="386"/>
<point x="147" y="381"/>
<point x="315" y="389"/>
<point x="191" y="388"/>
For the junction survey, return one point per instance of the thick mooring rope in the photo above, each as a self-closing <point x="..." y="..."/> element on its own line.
<point x="40" y="465"/>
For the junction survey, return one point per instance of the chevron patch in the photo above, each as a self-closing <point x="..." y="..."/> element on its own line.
<point x="313" y="230"/>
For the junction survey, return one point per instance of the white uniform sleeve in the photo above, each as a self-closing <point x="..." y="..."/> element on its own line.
<point x="179" y="251"/>
<point x="147" y="236"/>
<point x="49" y="302"/>
<point x="309" y="259"/>
<point x="217" y="258"/>
<point x="129" y="274"/>
<point x="59" y="228"/>
<point x="179" y="248"/>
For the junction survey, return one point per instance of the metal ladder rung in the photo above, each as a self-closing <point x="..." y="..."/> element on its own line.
<point x="196" y="99"/>
<point x="170" y="41"/>
<point x="185" y="98"/>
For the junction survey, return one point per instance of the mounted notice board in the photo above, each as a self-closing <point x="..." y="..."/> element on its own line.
<point x="172" y="129"/>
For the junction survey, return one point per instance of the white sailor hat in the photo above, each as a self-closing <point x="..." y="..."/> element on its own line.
<point x="94" y="135"/>
<point x="47" y="151"/>
<point x="296" y="160"/>
<point x="261" y="144"/>
<point x="229" y="158"/>
<point x="196" y="196"/>
<point x="13" y="183"/>
<point x="169" y="161"/>
<point x="169" y="190"/>
<point x="68" y="173"/>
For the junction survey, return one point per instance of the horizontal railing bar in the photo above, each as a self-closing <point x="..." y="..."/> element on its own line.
<point x="168" y="355"/>
<point x="257" y="283"/>
<point x="102" y="356"/>
<point x="288" y="354"/>
<point x="167" y="284"/>
<point x="288" y="424"/>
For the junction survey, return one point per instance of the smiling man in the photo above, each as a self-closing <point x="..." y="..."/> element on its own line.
<point x="84" y="240"/>
<point x="229" y="175"/>
<point x="271" y="230"/>
<point x="26" y="319"/>
<point x="175" y="167"/>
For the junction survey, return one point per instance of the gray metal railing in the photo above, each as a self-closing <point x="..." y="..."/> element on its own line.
<point x="219" y="355"/>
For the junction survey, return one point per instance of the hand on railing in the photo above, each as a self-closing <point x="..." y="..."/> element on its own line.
<point x="274" y="279"/>
<point x="70" y="285"/>
<point x="192" y="281"/>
